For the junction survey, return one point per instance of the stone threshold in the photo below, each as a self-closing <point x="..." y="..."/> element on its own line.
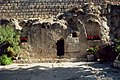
<point x="50" y="60"/>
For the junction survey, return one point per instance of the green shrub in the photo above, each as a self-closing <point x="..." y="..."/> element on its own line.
<point x="92" y="50"/>
<point x="4" y="60"/>
<point x="11" y="36"/>
<point x="117" y="48"/>
<point x="117" y="45"/>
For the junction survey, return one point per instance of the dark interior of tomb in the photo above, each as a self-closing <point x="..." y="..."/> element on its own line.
<point x="60" y="47"/>
<point x="74" y="34"/>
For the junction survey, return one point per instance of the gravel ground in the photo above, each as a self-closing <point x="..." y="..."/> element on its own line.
<point x="60" y="71"/>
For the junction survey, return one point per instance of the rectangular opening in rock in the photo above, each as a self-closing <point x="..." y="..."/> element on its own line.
<point x="60" y="47"/>
<point x="74" y="34"/>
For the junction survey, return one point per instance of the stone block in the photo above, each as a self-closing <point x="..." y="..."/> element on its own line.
<point x="117" y="61"/>
<point x="118" y="65"/>
<point x="115" y="64"/>
<point x="90" y="57"/>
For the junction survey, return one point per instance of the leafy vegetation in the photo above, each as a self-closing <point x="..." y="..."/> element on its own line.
<point x="117" y="45"/>
<point x="9" y="43"/>
<point x="92" y="50"/>
<point x="108" y="52"/>
<point x="4" y="60"/>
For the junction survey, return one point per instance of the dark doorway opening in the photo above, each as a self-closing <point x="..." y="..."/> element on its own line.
<point x="60" y="47"/>
<point x="74" y="34"/>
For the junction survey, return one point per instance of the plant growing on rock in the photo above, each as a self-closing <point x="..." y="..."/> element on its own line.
<point x="9" y="41"/>
<point x="91" y="53"/>
<point x="107" y="52"/>
<point x="5" y="60"/>
<point x="117" y="47"/>
<point x="92" y="50"/>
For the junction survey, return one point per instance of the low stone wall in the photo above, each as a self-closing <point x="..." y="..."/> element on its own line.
<point x="116" y="64"/>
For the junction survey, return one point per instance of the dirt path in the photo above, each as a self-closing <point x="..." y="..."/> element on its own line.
<point x="59" y="71"/>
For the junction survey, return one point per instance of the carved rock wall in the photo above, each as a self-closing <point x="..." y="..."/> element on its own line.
<point x="74" y="26"/>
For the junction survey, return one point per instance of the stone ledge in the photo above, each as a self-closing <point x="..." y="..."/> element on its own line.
<point x="116" y="64"/>
<point x="56" y="60"/>
<point x="117" y="61"/>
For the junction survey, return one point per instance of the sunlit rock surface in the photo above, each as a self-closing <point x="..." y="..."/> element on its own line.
<point x="73" y="26"/>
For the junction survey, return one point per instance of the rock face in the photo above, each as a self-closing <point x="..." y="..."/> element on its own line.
<point x="114" y="21"/>
<point x="72" y="28"/>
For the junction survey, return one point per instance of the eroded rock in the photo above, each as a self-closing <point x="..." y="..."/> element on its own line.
<point x="73" y="26"/>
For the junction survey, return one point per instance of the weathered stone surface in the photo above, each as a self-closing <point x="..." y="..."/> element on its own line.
<point x="114" y="21"/>
<point x="72" y="26"/>
<point x="116" y="63"/>
<point x="84" y="21"/>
